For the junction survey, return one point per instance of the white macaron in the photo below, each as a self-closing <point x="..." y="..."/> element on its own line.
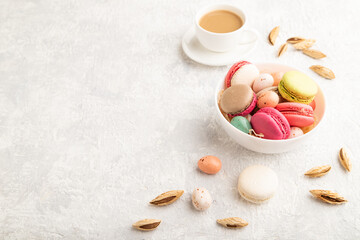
<point x="257" y="183"/>
<point x="245" y="75"/>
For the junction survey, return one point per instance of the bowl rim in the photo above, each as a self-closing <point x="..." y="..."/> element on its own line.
<point x="220" y="85"/>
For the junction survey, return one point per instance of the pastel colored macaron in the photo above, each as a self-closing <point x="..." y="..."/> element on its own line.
<point x="257" y="183"/>
<point x="271" y="123"/>
<point x="241" y="73"/>
<point x="267" y="99"/>
<point x="238" y="100"/>
<point x="241" y="123"/>
<point x="297" y="114"/>
<point x="295" y="132"/>
<point x="264" y="80"/>
<point x="296" y="86"/>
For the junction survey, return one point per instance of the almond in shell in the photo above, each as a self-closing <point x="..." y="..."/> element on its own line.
<point x="282" y="49"/>
<point x="345" y="160"/>
<point x="314" y="53"/>
<point x="318" y="171"/>
<point x="167" y="198"/>
<point x="307" y="43"/>
<point x="323" y="71"/>
<point x="328" y="196"/>
<point x="274" y="34"/>
<point x="233" y="222"/>
<point x="147" y="224"/>
<point x="294" y="40"/>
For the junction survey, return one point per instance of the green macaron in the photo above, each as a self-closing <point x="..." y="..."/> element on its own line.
<point x="241" y="123"/>
<point x="296" y="86"/>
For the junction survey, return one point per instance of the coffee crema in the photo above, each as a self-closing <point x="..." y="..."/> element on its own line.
<point x="221" y="21"/>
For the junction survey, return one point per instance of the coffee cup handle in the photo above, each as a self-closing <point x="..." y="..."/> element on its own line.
<point x="249" y="35"/>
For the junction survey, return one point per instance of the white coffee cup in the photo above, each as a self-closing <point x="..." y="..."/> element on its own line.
<point x="223" y="42"/>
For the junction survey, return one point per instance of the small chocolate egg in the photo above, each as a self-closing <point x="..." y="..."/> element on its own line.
<point x="295" y="132"/>
<point x="241" y="123"/>
<point x="277" y="77"/>
<point x="268" y="99"/>
<point x="201" y="199"/>
<point x="263" y="81"/>
<point x="209" y="164"/>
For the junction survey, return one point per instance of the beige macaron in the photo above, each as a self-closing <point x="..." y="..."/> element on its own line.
<point x="236" y="99"/>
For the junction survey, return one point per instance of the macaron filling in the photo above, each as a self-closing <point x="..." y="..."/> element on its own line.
<point x="252" y="199"/>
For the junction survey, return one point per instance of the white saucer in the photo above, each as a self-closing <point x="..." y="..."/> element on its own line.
<point x="194" y="50"/>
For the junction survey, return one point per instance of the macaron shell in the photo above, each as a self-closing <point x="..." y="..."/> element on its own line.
<point x="249" y="109"/>
<point x="238" y="100"/>
<point x="297" y="114"/>
<point x="296" y="86"/>
<point x="298" y="120"/>
<point x="257" y="183"/>
<point x="271" y="123"/>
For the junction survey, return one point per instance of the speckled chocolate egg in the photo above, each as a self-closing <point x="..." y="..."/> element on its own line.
<point x="295" y="132"/>
<point x="277" y="76"/>
<point x="268" y="99"/>
<point x="264" y="80"/>
<point x="209" y="164"/>
<point x="201" y="199"/>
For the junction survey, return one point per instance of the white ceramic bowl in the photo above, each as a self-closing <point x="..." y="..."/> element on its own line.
<point x="264" y="145"/>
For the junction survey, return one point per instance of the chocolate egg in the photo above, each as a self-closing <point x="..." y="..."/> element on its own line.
<point x="263" y="81"/>
<point x="241" y="123"/>
<point x="295" y="132"/>
<point x="209" y="164"/>
<point x="277" y="77"/>
<point x="268" y="99"/>
<point x="201" y="199"/>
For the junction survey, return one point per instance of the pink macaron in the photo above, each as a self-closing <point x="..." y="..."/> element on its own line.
<point x="271" y="123"/>
<point x="242" y="72"/>
<point x="297" y="114"/>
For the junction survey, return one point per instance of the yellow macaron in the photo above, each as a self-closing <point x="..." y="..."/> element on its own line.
<point x="296" y="86"/>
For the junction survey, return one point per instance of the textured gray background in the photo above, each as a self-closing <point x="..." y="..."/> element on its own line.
<point x="100" y="111"/>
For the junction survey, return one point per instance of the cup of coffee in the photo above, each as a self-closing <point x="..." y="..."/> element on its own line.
<point x="222" y="27"/>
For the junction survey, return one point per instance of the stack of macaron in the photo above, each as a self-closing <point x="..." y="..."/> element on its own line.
<point x="273" y="105"/>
